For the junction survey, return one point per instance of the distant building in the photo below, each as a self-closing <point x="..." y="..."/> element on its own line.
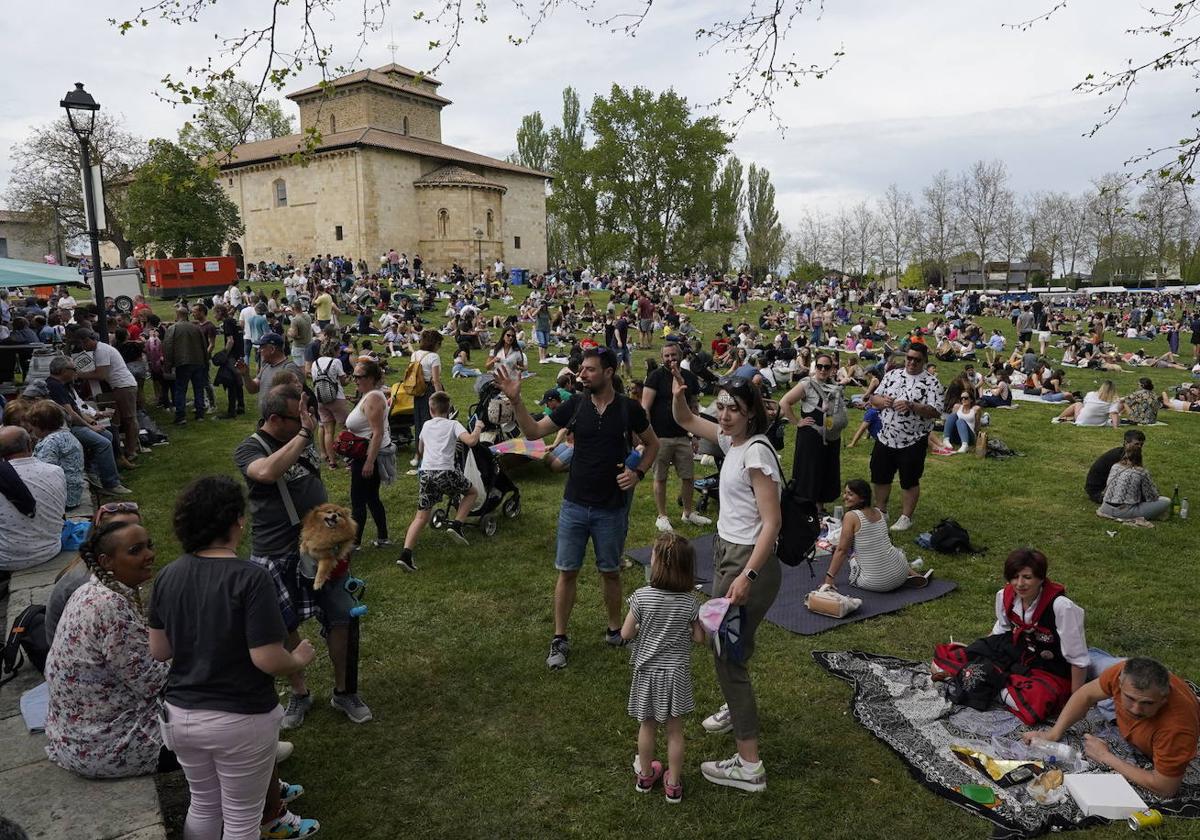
<point x="24" y="237"/>
<point x="969" y="274"/>
<point x="382" y="178"/>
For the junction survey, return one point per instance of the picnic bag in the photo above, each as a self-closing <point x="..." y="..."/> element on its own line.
<point x="948" y="537"/>
<point x="26" y="641"/>
<point x="413" y="383"/>
<point x="833" y="407"/>
<point x="324" y="385"/>
<point x="350" y="445"/>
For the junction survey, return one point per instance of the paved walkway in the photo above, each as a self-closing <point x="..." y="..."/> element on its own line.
<point x="48" y="802"/>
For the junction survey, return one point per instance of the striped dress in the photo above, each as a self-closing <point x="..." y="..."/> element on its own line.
<point x="661" y="654"/>
<point x="877" y="565"/>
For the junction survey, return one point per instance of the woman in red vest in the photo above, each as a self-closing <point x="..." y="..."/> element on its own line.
<point x="1036" y="655"/>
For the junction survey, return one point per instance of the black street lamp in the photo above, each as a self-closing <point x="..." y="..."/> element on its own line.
<point x="479" y="242"/>
<point x="81" y="114"/>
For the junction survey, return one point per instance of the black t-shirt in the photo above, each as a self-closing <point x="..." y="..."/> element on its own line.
<point x="661" y="417"/>
<point x="601" y="444"/>
<point x="272" y="531"/>
<point x="214" y="610"/>
<point x="60" y="392"/>
<point x="1097" y="477"/>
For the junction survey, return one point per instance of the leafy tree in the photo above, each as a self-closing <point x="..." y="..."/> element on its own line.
<point x="46" y="178"/>
<point x="722" y="233"/>
<point x="176" y="205"/>
<point x="653" y="164"/>
<point x="763" y="231"/>
<point x="232" y="113"/>
<point x="533" y="143"/>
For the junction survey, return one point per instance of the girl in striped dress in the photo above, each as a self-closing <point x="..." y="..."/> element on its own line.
<point x="663" y="622"/>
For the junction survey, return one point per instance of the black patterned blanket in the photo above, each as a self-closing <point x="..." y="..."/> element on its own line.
<point x="896" y="700"/>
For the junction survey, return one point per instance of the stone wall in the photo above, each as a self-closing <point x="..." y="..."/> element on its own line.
<point x="468" y="209"/>
<point x="320" y="197"/>
<point x="364" y="106"/>
<point x="524" y="216"/>
<point x="24" y="240"/>
<point x="390" y="202"/>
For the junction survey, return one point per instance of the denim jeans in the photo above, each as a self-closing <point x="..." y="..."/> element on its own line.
<point x="959" y="431"/>
<point x="98" y="454"/>
<point x="195" y="374"/>
<point x="605" y="527"/>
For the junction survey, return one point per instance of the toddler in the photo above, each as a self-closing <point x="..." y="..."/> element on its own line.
<point x="663" y="623"/>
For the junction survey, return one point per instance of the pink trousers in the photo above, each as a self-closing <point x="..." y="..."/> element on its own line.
<point x="227" y="759"/>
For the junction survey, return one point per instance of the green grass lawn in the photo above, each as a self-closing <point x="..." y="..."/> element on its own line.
<point x="473" y="737"/>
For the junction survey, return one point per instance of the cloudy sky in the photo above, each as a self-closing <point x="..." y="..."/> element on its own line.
<point x="924" y="84"/>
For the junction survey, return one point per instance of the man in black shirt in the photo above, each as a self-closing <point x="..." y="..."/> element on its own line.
<point x="674" y="444"/>
<point x="599" y="487"/>
<point x="1097" y="477"/>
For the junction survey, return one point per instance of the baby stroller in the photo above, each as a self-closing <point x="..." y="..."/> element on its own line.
<point x="495" y="410"/>
<point x="495" y="491"/>
<point x="400" y="417"/>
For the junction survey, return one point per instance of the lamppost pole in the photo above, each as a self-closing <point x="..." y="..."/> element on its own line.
<point x="479" y="243"/>
<point x="81" y="114"/>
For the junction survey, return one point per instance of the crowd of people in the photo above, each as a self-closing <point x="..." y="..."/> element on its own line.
<point x="189" y="678"/>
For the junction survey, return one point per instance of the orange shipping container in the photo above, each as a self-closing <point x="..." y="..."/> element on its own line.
<point x="189" y="276"/>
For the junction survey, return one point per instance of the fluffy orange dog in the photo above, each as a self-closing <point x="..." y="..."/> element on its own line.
<point x="327" y="536"/>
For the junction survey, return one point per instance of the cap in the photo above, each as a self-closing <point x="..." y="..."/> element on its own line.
<point x="270" y="338"/>
<point x="552" y="394"/>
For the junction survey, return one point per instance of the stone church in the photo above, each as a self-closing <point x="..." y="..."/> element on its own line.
<point x="382" y="178"/>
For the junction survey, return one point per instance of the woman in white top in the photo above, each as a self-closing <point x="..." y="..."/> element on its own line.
<point x="431" y="370"/>
<point x="745" y="566"/>
<point x="877" y="565"/>
<point x="1099" y="407"/>
<point x="507" y="352"/>
<point x="369" y="420"/>
<point x="329" y="366"/>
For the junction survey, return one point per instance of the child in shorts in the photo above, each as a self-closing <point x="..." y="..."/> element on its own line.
<point x="439" y="476"/>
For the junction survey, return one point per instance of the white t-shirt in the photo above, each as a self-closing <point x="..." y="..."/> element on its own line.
<point x="1095" y="411"/>
<point x="739" y="521"/>
<point x="438" y="437"/>
<point x="235" y="296"/>
<point x="244" y="317"/>
<point x="105" y="355"/>
<point x="429" y="360"/>
<point x="327" y="365"/>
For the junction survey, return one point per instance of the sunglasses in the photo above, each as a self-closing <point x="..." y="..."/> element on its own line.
<point x="824" y="367"/>
<point x="119" y="507"/>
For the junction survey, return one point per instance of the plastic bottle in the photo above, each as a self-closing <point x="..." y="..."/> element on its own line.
<point x="1183" y="509"/>
<point x="1055" y="752"/>
<point x="633" y="459"/>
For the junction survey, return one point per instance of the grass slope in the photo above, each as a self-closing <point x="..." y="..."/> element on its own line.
<point x="474" y="738"/>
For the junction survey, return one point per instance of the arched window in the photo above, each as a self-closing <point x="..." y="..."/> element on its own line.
<point x="491" y="225"/>
<point x="280" y="192"/>
<point x="332" y="124"/>
<point x="443" y="223"/>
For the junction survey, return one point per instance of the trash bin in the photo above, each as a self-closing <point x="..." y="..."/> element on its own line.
<point x="518" y="276"/>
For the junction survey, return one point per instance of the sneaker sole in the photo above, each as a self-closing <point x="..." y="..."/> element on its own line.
<point x="727" y="728"/>
<point x="749" y="787"/>
<point x="406" y="567"/>
<point x="461" y="538"/>
<point x="365" y="719"/>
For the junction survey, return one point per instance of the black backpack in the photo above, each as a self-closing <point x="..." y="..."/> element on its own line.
<point x="948" y="537"/>
<point x="800" y="524"/>
<point x="27" y="639"/>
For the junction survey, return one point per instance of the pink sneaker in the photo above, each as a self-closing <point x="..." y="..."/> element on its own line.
<point x="673" y="792"/>
<point x="645" y="784"/>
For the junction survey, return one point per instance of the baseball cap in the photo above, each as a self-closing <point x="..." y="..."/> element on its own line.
<point x="551" y="394"/>
<point x="270" y="338"/>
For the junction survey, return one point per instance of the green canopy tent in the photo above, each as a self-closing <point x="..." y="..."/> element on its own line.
<point x="15" y="273"/>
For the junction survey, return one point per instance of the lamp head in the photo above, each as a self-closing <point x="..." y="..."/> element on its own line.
<point x="81" y="111"/>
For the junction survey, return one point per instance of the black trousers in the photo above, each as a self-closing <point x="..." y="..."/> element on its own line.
<point x="364" y="495"/>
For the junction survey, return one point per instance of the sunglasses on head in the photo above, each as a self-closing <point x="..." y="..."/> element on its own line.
<point x="119" y="507"/>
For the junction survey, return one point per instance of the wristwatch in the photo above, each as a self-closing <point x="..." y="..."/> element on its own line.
<point x="751" y="575"/>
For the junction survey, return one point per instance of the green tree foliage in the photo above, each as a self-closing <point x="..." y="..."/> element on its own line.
<point x="654" y="167"/>
<point x="176" y="205"/>
<point x="232" y="113"/>
<point x="728" y="203"/>
<point x="533" y="143"/>
<point x="46" y="180"/>
<point x="763" y="231"/>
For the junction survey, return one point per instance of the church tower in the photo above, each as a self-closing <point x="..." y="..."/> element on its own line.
<point x="392" y="98"/>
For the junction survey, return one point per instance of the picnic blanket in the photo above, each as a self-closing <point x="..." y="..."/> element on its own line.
<point x="789" y="611"/>
<point x="896" y="700"/>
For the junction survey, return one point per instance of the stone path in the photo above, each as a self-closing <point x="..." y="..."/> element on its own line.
<point x="48" y="802"/>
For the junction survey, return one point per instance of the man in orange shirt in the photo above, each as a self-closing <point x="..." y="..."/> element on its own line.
<point x="1156" y="712"/>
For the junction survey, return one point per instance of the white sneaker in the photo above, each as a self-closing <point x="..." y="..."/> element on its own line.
<point x="987" y="419"/>
<point x="962" y="449"/>
<point x="283" y="751"/>
<point x="415" y="462"/>
<point x="902" y="524"/>
<point x="719" y="722"/>
<point x="694" y="518"/>
<point x="732" y="772"/>
<point x="662" y="523"/>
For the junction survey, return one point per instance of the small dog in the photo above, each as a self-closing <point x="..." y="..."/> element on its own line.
<point x="327" y="536"/>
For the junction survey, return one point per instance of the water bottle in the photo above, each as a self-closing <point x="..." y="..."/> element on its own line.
<point x="633" y="459"/>
<point x="838" y="512"/>
<point x="1056" y="753"/>
<point x="1183" y="509"/>
<point x="918" y="564"/>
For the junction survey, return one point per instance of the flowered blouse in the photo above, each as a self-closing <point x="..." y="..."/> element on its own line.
<point x="64" y="450"/>
<point x="104" y="686"/>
